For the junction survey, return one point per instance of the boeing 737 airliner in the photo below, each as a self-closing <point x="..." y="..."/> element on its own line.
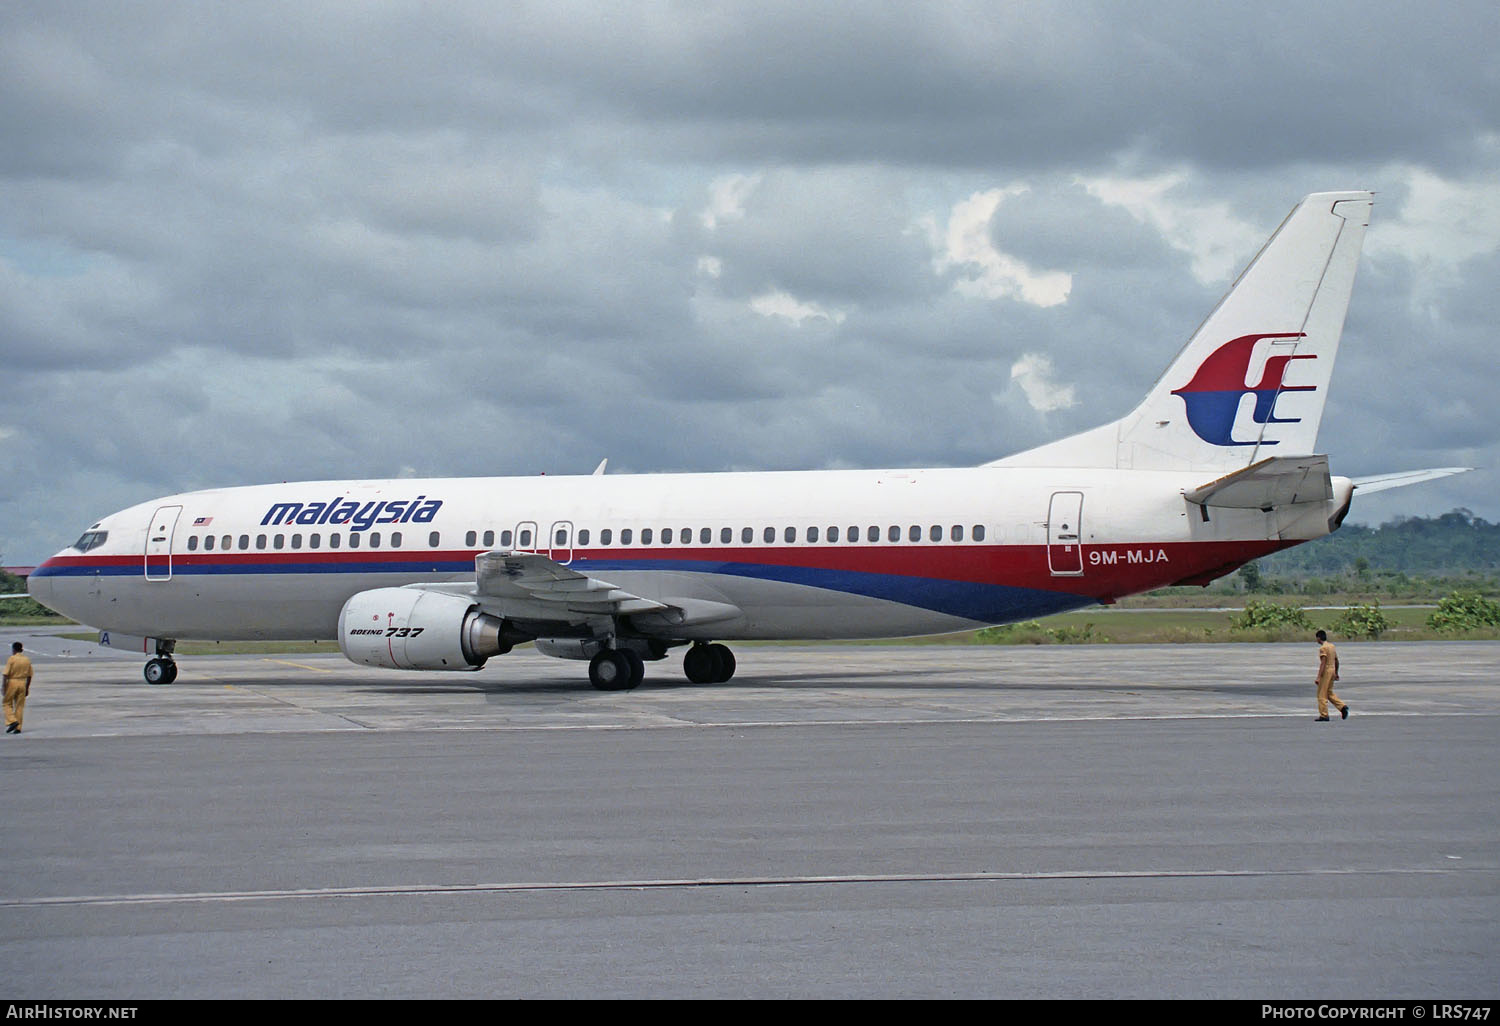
<point x="1216" y="467"/>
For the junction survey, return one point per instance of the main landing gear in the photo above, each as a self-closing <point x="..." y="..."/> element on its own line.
<point x="708" y="664"/>
<point x="617" y="669"/>
<point x="162" y="669"/>
<point x="622" y="669"/>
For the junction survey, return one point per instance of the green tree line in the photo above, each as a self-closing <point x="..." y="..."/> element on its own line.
<point x="1455" y="542"/>
<point x="10" y="584"/>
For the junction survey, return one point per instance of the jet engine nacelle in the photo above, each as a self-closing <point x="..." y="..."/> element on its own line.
<point x="414" y="629"/>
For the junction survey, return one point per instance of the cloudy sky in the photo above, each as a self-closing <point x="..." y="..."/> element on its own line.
<point x="271" y="241"/>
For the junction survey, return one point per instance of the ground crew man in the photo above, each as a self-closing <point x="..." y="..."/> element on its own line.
<point x="1328" y="672"/>
<point x="17" y="687"/>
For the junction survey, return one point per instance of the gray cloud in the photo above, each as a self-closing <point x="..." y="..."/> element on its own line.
<point x="276" y="241"/>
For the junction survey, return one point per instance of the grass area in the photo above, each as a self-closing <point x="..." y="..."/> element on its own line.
<point x="1198" y="598"/>
<point x="1171" y="625"/>
<point x="1181" y="626"/>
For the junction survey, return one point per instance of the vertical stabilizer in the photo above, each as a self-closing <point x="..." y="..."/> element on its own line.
<point x="1252" y="381"/>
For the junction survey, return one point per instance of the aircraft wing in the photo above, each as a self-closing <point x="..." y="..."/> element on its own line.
<point x="1380" y="482"/>
<point x="1269" y="484"/>
<point x="531" y="588"/>
<point x="534" y="578"/>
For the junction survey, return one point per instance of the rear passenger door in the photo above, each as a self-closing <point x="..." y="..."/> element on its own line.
<point x="1065" y="534"/>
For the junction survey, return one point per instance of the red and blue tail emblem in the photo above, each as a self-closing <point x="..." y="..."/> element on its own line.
<point x="1213" y="396"/>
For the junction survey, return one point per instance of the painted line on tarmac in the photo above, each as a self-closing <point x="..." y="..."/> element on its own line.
<point x="438" y="890"/>
<point x="300" y="666"/>
<point x="660" y="719"/>
<point x="651" y="720"/>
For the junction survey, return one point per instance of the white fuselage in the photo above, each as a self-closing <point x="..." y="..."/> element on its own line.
<point x="815" y="554"/>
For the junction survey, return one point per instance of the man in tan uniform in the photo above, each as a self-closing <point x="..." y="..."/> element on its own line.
<point x="17" y="687"/>
<point x="1328" y="672"/>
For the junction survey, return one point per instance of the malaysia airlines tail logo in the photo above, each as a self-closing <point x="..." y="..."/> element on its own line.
<point x="1213" y="396"/>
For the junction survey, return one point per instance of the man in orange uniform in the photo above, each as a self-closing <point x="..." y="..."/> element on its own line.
<point x="1328" y="672"/>
<point x="17" y="687"/>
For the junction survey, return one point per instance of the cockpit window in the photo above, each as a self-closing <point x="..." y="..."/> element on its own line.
<point x="90" y="540"/>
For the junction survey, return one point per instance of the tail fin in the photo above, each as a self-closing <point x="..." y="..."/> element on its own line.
<point x="1252" y="381"/>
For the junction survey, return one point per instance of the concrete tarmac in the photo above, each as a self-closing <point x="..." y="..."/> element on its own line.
<point x="837" y="821"/>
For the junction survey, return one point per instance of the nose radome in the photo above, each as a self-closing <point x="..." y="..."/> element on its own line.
<point x="38" y="586"/>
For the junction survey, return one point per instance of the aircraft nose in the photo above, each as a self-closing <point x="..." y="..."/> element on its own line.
<point x="39" y="584"/>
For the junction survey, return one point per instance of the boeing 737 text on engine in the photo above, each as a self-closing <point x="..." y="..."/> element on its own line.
<point x="1216" y="466"/>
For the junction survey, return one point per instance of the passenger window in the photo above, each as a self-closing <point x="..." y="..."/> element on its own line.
<point x="935" y="532"/>
<point x="583" y="537"/>
<point x="872" y="534"/>
<point x="726" y="535"/>
<point x="505" y="537"/>
<point x="489" y="539"/>
<point x="790" y="534"/>
<point x="313" y="540"/>
<point x="395" y="539"/>
<point x="666" y="536"/>
<point x="260" y="541"/>
<point x="208" y="543"/>
<point x="894" y="534"/>
<point x="686" y="534"/>
<point x="471" y="538"/>
<point x="374" y="539"/>
<point x="333" y="541"/>
<point x="525" y="539"/>
<point x="705" y="535"/>
<point x="914" y="532"/>
<point x="833" y="534"/>
<point x="625" y="535"/>
<point x="193" y="543"/>
<point x="226" y="542"/>
<point x="770" y="535"/>
<point x="296" y="541"/>
<point x="979" y="532"/>
<point x="433" y="539"/>
<point x="812" y="534"/>
<point x="747" y="535"/>
<point x="606" y="537"/>
<point x="853" y="534"/>
<point x="244" y="541"/>
<point x="354" y="539"/>
<point x="279" y="542"/>
<point x="645" y="536"/>
<point x="956" y="533"/>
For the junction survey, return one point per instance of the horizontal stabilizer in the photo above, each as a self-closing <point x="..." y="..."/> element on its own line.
<point x="1380" y="482"/>
<point x="1270" y="484"/>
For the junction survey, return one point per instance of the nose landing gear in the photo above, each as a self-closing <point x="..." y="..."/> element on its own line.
<point x="163" y="668"/>
<point x="160" y="671"/>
